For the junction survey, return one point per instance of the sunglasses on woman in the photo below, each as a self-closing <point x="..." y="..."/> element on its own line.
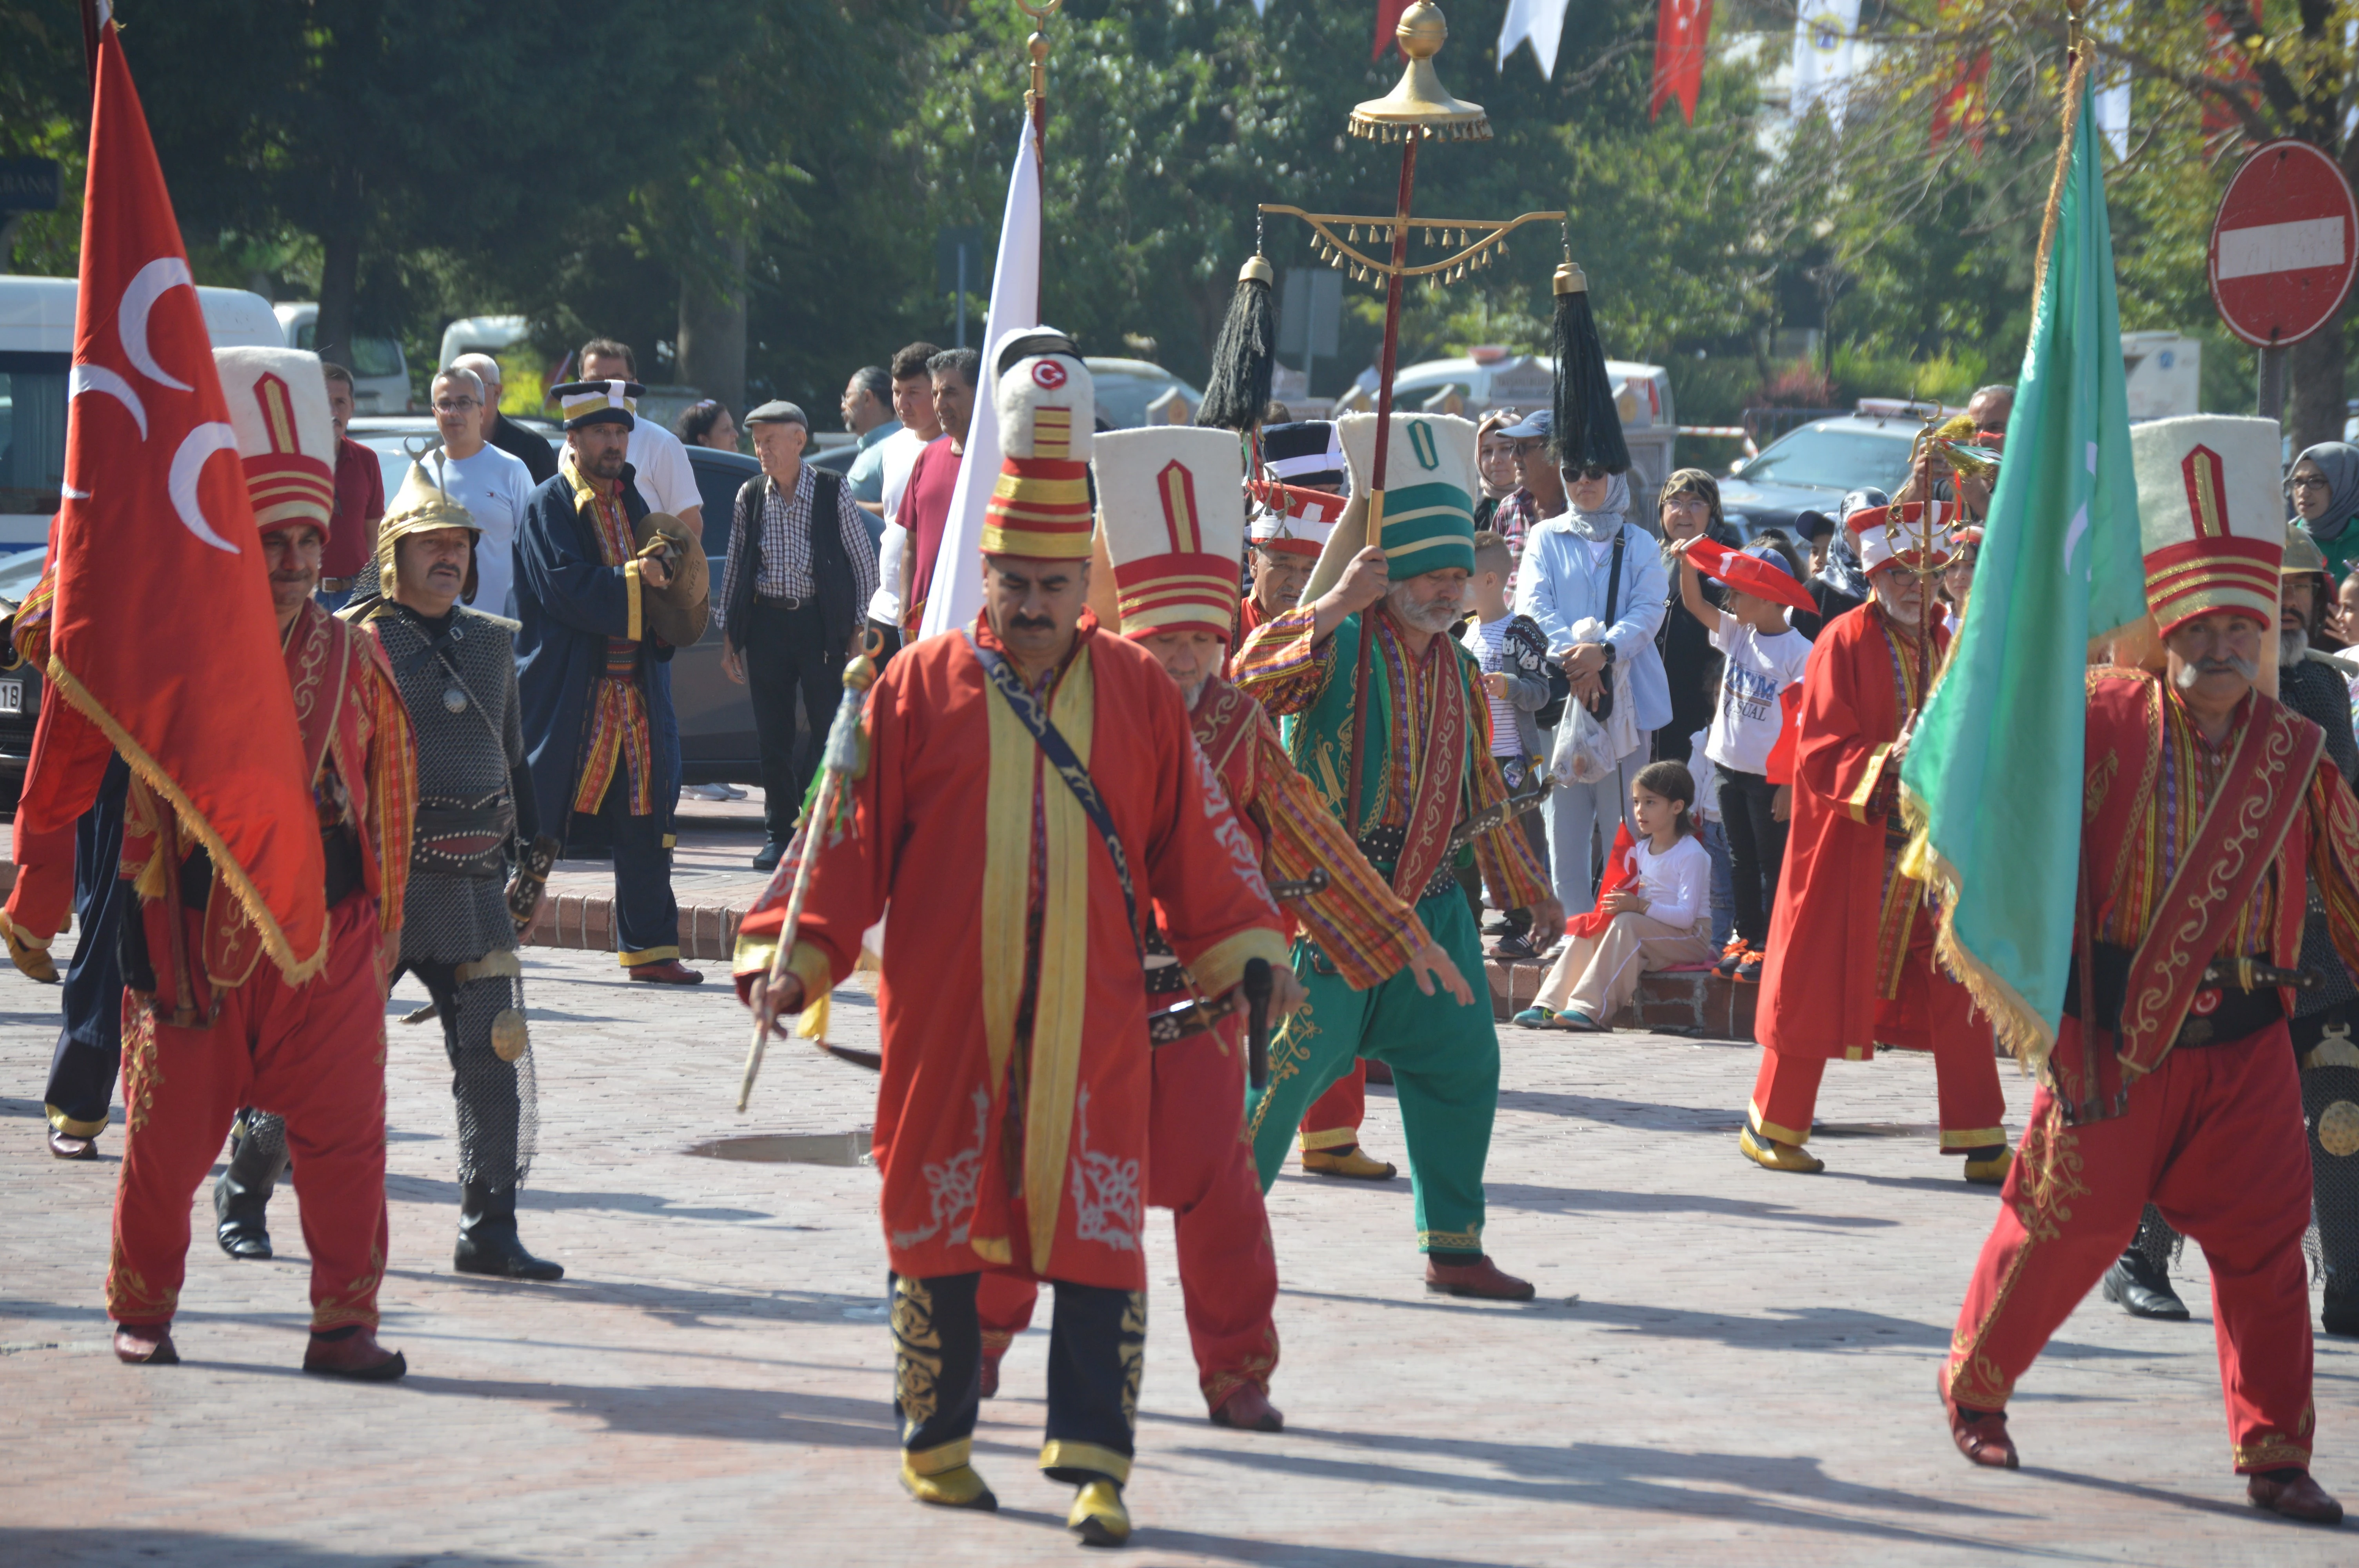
<point x="1588" y="472"/>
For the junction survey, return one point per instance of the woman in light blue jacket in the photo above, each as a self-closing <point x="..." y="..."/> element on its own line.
<point x="1568" y="574"/>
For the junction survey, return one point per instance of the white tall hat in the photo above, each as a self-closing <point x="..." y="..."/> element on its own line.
<point x="278" y="406"/>
<point x="2210" y="517"/>
<point x="1171" y="504"/>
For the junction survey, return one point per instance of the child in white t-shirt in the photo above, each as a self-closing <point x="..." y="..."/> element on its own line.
<point x="1762" y="657"/>
<point x="1655" y="913"/>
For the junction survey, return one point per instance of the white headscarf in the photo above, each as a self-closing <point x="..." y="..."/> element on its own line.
<point x="1598" y="526"/>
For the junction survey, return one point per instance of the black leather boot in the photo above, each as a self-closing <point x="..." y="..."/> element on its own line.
<point x="487" y="1237"/>
<point x="2140" y="1289"/>
<point x="242" y="1196"/>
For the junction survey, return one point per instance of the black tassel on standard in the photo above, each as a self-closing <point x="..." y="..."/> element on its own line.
<point x="1245" y="355"/>
<point x="1588" y="427"/>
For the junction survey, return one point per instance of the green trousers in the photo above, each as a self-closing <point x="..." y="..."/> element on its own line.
<point x="1445" y="1062"/>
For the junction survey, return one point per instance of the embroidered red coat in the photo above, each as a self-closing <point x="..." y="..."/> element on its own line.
<point x="994" y="1156"/>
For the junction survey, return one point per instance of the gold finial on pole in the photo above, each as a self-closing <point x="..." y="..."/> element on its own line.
<point x="1417" y="104"/>
<point x="1036" y="96"/>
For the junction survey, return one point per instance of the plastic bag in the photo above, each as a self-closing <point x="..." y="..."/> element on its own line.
<point x="1584" y="754"/>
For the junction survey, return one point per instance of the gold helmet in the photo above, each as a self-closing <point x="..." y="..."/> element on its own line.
<point x="2301" y="553"/>
<point x="421" y="506"/>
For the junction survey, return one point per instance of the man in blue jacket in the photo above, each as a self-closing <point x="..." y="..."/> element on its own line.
<point x="595" y="686"/>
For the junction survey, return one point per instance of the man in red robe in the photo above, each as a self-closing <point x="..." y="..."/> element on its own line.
<point x="1171" y="525"/>
<point x="1850" y="961"/>
<point x="2209" y="826"/>
<point x="1294" y="510"/>
<point x="211" y="1025"/>
<point x="1012" y="1118"/>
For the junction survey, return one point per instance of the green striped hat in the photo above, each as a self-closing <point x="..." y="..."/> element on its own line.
<point x="1430" y="488"/>
<point x="1429" y="527"/>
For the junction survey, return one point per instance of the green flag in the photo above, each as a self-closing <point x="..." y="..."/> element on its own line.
<point x="1992" y="779"/>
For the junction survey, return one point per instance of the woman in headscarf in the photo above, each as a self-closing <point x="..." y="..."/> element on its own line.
<point x="2324" y="490"/>
<point x="1689" y="505"/>
<point x="1842" y="583"/>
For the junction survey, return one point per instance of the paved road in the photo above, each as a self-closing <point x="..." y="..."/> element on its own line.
<point x="1725" y="1365"/>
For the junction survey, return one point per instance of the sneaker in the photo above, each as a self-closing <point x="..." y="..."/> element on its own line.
<point x="1748" y="970"/>
<point x="1535" y="1016"/>
<point x="729" y="792"/>
<point x="1498" y="928"/>
<point x="1730" y="957"/>
<point x="1514" y="949"/>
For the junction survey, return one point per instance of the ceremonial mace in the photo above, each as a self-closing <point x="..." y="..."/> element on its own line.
<point x="845" y="758"/>
<point x="1414" y="111"/>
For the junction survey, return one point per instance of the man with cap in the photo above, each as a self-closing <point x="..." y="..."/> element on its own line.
<point x="1033" y="793"/>
<point x="1170" y="529"/>
<point x="793" y="600"/>
<point x="596" y="679"/>
<point x="1294" y="510"/>
<point x="312" y="1053"/>
<point x="1850" y="966"/>
<point x="1427" y="767"/>
<point x="2172" y="1079"/>
<point x="456" y="669"/>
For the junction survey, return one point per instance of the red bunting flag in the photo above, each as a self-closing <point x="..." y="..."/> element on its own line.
<point x="164" y="646"/>
<point x="1965" y="107"/>
<point x="1682" y="28"/>
<point x="1389" y="16"/>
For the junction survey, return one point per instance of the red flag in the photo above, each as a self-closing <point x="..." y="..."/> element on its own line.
<point x="1681" y="29"/>
<point x="1621" y="871"/>
<point x="1750" y="574"/>
<point x="163" y="643"/>
<point x="1389" y="16"/>
<point x="1965" y="107"/>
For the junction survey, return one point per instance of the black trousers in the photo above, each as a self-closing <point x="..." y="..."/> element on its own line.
<point x="1097" y="1349"/>
<point x="1757" y="849"/>
<point x="90" y="1046"/>
<point x="646" y="916"/>
<point x="788" y="661"/>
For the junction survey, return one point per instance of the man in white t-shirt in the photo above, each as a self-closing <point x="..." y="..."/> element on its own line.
<point x="922" y="424"/>
<point x="492" y="485"/>
<point x="665" y="481"/>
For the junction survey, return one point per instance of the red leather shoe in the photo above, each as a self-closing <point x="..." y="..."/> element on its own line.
<point x="669" y="972"/>
<point x="1480" y="1278"/>
<point x="148" y="1345"/>
<point x="2293" y="1493"/>
<point x="66" y="1146"/>
<point x="990" y="1376"/>
<point x="1981" y="1435"/>
<point x="355" y="1356"/>
<point x="1248" y="1409"/>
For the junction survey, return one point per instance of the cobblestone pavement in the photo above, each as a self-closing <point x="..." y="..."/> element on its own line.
<point x="1725" y="1364"/>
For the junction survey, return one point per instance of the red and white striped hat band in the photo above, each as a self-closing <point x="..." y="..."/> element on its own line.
<point x="1170" y="499"/>
<point x="1040" y="508"/>
<point x="2210" y="517"/>
<point x="1292" y="519"/>
<point x="278" y="406"/>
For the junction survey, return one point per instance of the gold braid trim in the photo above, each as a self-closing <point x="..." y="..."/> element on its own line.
<point x="295" y="971"/>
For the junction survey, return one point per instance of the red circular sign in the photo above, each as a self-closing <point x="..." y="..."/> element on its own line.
<point x="2284" y="244"/>
<point x="1048" y="373"/>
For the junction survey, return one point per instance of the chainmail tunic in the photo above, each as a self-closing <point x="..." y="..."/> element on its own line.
<point x="454" y="919"/>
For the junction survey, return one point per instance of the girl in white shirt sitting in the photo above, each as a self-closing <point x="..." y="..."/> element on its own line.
<point x="1656" y="912"/>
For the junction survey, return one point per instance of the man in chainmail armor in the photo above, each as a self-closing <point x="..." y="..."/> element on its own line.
<point x="2315" y="685"/>
<point x="456" y="669"/>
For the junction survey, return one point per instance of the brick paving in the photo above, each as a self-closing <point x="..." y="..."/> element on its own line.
<point x="1724" y="1365"/>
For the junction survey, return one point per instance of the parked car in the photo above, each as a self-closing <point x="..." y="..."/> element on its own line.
<point x="716" y="714"/>
<point x="1490" y="378"/>
<point x="20" y="684"/>
<point x="1124" y="388"/>
<point x="380" y="370"/>
<point x="1813" y="468"/>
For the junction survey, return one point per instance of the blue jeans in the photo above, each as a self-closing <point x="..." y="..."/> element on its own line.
<point x="1714" y="839"/>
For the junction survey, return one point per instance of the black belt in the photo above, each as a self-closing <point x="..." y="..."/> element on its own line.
<point x="2221" y="1013"/>
<point x="762" y="601"/>
<point x="1165" y="978"/>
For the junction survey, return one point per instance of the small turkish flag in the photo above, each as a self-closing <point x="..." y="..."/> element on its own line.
<point x="164" y="646"/>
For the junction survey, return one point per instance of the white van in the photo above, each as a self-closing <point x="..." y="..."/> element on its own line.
<point x="380" y="370"/>
<point x="37" y="339"/>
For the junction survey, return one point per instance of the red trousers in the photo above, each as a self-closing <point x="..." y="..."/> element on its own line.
<point x="1933" y="1010"/>
<point x="1333" y="1120"/>
<point x="1201" y="1169"/>
<point x="2214" y="1138"/>
<point x="315" y="1055"/>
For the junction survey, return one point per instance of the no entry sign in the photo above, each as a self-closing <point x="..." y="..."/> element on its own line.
<point x="2284" y="244"/>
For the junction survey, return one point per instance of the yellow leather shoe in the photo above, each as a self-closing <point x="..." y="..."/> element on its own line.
<point x="1352" y="1164"/>
<point x="1772" y="1155"/>
<point x="30" y="957"/>
<point x="1991" y="1172"/>
<point x="1098" y="1516"/>
<point x="956" y="1487"/>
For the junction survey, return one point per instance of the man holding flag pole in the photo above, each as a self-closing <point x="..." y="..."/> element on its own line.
<point x="2133" y="848"/>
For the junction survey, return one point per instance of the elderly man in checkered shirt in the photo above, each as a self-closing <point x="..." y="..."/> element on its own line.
<point x="793" y="600"/>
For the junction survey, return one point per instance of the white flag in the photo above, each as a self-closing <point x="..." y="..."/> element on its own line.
<point x="955" y="597"/>
<point x="1823" y="33"/>
<point x="1542" y="21"/>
